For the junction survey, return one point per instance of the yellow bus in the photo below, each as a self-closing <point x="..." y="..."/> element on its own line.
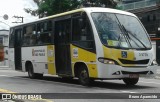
<point x="87" y="43"/>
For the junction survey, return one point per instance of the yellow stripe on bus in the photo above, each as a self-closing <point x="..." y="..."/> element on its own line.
<point x="87" y="57"/>
<point x="116" y="54"/>
<point x="51" y="60"/>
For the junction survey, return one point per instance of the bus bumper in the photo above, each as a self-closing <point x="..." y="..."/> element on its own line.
<point x="119" y="72"/>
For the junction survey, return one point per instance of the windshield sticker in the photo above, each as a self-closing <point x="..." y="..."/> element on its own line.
<point x="124" y="44"/>
<point x="112" y="43"/>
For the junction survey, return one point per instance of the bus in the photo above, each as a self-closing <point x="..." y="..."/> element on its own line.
<point x="88" y="43"/>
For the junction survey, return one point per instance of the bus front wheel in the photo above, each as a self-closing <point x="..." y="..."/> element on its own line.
<point x="131" y="81"/>
<point x="84" y="77"/>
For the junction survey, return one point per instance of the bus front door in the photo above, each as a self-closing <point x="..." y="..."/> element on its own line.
<point x="17" y="52"/>
<point x="62" y="47"/>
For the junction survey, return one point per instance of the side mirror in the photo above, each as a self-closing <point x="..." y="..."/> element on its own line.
<point x="158" y="32"/>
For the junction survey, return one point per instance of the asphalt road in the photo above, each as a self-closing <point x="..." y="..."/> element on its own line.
<point x="49" y="86"/>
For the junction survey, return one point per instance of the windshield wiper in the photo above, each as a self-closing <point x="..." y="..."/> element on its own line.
<point x="128" y="37"/>
<point x="133" y="36"/>
<point x="123" y="32"/>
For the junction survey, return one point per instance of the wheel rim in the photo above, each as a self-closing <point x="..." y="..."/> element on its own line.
<point x="30" y="72"/>
<point x="84" y="76"/>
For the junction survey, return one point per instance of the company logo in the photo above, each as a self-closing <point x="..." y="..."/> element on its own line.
<point x="124" y="54"/>
<point x="6" y="97"/>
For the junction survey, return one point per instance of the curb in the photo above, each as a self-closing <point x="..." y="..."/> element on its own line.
<point x="157" y="77"/>
<point x="5" y="68"/>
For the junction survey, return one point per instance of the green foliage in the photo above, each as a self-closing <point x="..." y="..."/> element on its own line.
<point x="57" y="6"/>
<point x="50" y="7"/>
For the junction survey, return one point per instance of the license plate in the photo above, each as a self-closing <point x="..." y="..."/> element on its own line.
<point x="133" y="75"/>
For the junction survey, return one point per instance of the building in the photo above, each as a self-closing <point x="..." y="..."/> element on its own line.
<point x="148" y="12"/>
<point x="4" y="41"/>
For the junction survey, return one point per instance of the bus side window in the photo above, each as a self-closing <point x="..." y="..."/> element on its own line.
<point x="82" y="33"/>
<point x="29" y="33"/>
<point x="11" y="38"/>
<point x="44" y="31"/>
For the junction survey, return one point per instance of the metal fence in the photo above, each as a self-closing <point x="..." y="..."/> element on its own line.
<point x="152" y="28"/>
<point x="140" y="4"/>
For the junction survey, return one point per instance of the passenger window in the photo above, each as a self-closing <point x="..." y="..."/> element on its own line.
<point x="29" y="33"/>
<point x="11" y="38"/>
<point x="44" y="33"/>
<point x="81" y="33"/>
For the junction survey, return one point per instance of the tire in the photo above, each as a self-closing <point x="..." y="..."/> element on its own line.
<point x="31" y="73"/>
<point x="38" y="76"/>
<point x="131" y="81"/>
<point x="67" y="78"/>
<point x="84" y="77"/>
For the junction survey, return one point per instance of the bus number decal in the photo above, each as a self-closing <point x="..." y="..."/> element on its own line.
<point x="143" y="54"/>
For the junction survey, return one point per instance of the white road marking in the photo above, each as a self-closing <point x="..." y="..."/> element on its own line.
<point x="148" y="82"/>
<point x="4" y="75"/>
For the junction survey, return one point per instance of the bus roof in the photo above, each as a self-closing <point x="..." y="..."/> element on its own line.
<point x="109" y="10"/>
<point x="88" y="10"/>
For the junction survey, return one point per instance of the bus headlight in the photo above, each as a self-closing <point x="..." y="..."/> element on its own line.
<point x="106" y="61"/>
<point x="154" y="62"/>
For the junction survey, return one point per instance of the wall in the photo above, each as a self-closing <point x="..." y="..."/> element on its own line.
<point x="4" y="37"/>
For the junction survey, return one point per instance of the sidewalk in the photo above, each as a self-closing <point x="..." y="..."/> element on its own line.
<point x="5" y="68"/>
<point x="158" y="73"/>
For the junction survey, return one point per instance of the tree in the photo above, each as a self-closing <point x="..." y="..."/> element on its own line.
<point x="50" y="7"/>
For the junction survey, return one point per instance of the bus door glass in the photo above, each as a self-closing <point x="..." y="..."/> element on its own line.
<point x="17" y="46"/>
<point x="62" y="46"/>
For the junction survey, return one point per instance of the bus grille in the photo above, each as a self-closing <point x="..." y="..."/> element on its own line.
<point x="123" y="61"/>
<point x="144" y="72"/>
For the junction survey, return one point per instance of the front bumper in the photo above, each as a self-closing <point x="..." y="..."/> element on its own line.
<point x="117" y="72"/>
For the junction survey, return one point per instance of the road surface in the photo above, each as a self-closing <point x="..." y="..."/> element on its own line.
<point x="115" y="90"/>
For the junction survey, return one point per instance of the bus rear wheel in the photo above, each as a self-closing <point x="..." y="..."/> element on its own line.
<point x="84" y="77"/>
<point x="131" y="81"/>
<point x="31" y="73"/>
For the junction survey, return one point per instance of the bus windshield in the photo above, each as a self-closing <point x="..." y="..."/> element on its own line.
<point x="121" y="31"/>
